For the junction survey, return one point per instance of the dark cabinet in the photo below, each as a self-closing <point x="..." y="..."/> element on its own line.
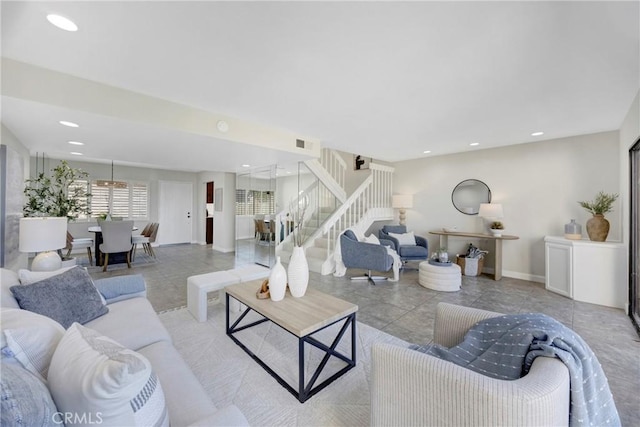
<point x="209" y="231"/>
<point x="209" y="192"/>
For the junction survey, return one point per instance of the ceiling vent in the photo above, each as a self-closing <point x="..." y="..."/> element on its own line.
<point x="299" y="143"/>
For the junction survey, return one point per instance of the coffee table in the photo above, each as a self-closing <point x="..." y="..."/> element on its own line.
<point x="302" y="317"/>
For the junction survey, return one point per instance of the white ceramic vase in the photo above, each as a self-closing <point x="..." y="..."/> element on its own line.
<point x="298" y="272"/>
<point x="277" y="281"/>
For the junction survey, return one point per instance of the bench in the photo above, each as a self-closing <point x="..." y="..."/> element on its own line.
<point x="200" y="285"/>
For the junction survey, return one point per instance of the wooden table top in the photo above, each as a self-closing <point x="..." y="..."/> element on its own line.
<point x="476" y="235"/>
<point x="300" y="316"/>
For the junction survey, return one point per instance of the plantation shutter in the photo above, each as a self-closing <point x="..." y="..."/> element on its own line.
<point x="99" y="200"/>
<point x="120" y="205"/>
<point x="139" y="201"/>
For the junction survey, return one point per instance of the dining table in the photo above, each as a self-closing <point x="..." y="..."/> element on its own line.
<point x="116" y="258"/>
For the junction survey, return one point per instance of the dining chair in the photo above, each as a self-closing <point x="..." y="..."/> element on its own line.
<point x="79" y="243"/>
<point x="153" y="233"/>
<point x="142" y="238"/>
<point x="116" y="238"/>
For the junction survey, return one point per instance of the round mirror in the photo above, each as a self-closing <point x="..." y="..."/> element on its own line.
<point x="468" y="195"/>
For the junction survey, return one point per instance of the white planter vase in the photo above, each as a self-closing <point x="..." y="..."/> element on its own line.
<point x="277" y="281"/>
<point x="298" y="272"/>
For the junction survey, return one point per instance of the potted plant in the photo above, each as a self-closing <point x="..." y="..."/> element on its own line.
<point x="598" y="225"/>
<point x="496" y="228"/>
<point x="56" y="195"/>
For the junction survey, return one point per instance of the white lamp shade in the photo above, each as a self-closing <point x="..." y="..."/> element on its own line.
<point x="491" y="210"/>
<point x="402" y="201"/>
<point x="43" y="234"/>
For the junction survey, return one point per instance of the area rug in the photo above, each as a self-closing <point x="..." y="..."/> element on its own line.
<point x="230" y="376"/>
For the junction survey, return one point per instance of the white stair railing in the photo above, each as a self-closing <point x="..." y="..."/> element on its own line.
<point x="370" y="202"/>
<point x="334" y="164"/>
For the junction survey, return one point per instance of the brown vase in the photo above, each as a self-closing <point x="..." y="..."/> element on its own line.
<point x="598" y="228"/>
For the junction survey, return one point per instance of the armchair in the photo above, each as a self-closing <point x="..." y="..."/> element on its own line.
<point x="412" y="388"/>
<point x="419" y="251"/>
<point x="369" y="256"/>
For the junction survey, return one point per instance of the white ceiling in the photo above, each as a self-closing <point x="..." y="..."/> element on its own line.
<point x="382" y="79"/>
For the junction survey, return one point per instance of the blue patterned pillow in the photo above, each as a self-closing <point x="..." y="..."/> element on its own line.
<point x="24" y="399"/>
<point x="66" y="298"/>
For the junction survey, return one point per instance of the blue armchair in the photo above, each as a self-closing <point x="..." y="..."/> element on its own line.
<point x="417" y="252"/>
<point x="364" y="255"/>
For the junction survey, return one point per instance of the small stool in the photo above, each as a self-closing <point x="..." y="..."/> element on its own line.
<point x="439" y="278"/>
<point x="199" y="286"/>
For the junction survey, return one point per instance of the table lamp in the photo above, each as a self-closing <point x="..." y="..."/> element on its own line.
<point x="44" y="235"/>
<point x="402" y="202"/>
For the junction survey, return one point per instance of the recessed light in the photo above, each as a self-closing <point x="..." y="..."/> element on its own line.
<point x="222" y="126"/>
<point x="473" y="144"/>
<point x="246" y="166"/>
<point x="70" y="124"/>
<point x="426" y="151"/>
<point x="75" y="153"/>
<point x="76" y="143"/>
<point x="62" y="22"/>
<point x="537" y="133"/>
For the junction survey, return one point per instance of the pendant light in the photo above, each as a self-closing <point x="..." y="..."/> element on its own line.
<point x="112" y="183"/>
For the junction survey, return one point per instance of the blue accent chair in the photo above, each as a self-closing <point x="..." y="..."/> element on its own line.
<point x="364" y="255"/>
<point x="419" y="252"/>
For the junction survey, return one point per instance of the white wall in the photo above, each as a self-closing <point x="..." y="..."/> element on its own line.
<point x="538" y="184"/>
<point x="223" y="221"/>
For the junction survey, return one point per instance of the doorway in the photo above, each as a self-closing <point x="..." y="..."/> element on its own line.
<point x="634" y="238"/>
<point x="209" y="210"/>
<point x="174" y="213"/>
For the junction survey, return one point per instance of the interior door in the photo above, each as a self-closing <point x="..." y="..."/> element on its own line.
<point x="174" y="212"/>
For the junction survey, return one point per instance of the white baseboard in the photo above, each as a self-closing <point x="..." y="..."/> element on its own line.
<point x="224" y="250"/>
<point x="517" y="275"/>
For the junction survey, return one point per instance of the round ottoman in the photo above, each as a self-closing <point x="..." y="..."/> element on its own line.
<point x="439" y="278"/>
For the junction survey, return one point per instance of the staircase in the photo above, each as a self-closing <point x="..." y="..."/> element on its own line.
<point x="329" y="211"/>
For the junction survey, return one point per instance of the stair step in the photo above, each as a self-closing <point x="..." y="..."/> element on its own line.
<point x="321" y="242"/>
<point x="316" y="252"/>
<point x="315" y="264"/>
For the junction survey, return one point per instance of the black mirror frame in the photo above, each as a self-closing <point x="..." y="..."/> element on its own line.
<point x="460" y="183"/>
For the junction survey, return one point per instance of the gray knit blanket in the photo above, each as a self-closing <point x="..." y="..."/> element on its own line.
<point x="505" y="348"/>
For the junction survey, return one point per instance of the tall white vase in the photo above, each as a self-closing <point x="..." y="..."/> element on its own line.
<point x="298" y="272"/>
<point x="277" y="281"/>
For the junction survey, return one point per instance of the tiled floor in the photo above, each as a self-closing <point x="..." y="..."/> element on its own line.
<point x="407" y="310"/>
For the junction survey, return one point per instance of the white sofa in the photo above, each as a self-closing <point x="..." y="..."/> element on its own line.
<point x="132" y="322"/>
<point x="410" y="388"/>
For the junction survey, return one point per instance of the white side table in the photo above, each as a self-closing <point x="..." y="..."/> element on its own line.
<point x="68" y="262"/>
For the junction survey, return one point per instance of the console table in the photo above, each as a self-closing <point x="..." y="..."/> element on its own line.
<point x="497" y="269"/>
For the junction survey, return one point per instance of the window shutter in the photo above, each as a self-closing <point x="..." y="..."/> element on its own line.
<point x="99" y="200"/>
<point x="139" y="201"/>
<point x="120" y="205"/>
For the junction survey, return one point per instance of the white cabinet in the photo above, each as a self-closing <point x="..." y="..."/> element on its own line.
<point x="587" y="271"/>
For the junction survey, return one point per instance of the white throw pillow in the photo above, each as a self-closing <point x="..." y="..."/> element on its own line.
<point x="32" y="338"/>
<point x="93" y="376"/>
<point x="406" y="239"/>
<point x="371" y="238"/>
<point x="28" y="277"/>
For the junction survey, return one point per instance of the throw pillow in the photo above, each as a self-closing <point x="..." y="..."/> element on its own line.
<point x="93" y="375"/>
<point x="371" y="238"/>
<point x="405" y="239"/>
<point x="66" y="298"/>
<point x="24" y="399"/>
<point x="28" y="277"/>
<point x="31" y="338"/>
